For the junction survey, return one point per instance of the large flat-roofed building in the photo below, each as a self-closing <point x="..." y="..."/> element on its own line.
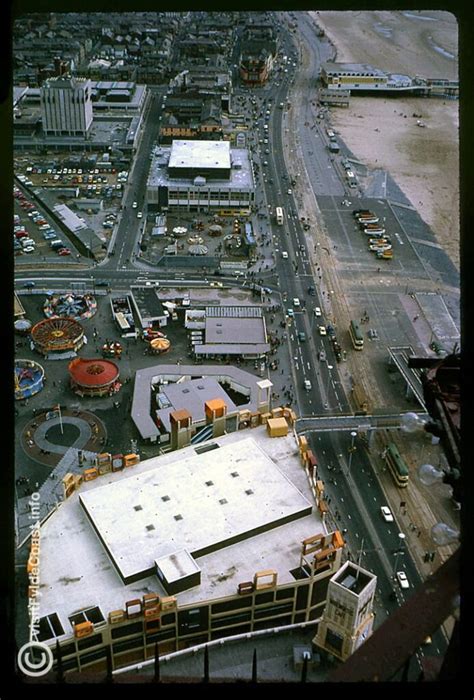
<point x="193" y="516"/>
<point x="203" y="543"/>
<point x="210" y="159"/>
<point x="66" y="106"/>
<point x="200" y="175"/>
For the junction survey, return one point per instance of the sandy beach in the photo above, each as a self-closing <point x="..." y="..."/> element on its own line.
<point x="383" y="132"/>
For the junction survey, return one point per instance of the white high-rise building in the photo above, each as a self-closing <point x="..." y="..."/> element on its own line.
<point x="348" y="616"/>
<point x="66" y="106"/>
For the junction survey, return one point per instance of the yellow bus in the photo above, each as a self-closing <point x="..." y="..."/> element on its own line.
<point x="234" y="212"/>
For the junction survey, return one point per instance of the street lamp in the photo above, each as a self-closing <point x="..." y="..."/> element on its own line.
<point x="399" y="551"/>
<point x="352" y="449"/>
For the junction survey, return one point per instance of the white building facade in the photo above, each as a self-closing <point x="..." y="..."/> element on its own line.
<point x="66" y="106"/>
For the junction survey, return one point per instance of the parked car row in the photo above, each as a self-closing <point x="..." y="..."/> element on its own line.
<point x="379" y="242"/>
<point x="23" y="243"/>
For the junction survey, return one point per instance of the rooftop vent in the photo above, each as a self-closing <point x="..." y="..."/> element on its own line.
<point x="249" y="492"/>
<point x="178" y="517"/>
<point x="165" y="498"/>
<point x="223" y="501"/>
<point x="234" y="474"/>
<point x="137" y="508"/>
<point x="209" y="483"/>
<point x="150" y="527"/>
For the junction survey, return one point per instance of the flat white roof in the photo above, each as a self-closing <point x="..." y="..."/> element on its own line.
<point x="200" y="154"/>
<point x="220" y="495"/>
<point x="76" y="572"/>
<point x="225" y="331"/>
<point x="241" y="172"/>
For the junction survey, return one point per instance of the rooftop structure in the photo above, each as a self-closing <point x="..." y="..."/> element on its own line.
<point x="18" y="310"/>
<point x="364" y="77"/>
<point x="117" y="123"/>
<point x="246" y="384"/>
<point x="212" y="500"/>
<point x="348" y="616"/>
<point x="234" y="330"/>
<point x="199" y="536"/>
<point x="79" y="228"/>
<point x="191" y="395"/>
<point x="148" y="306"/>
<point x="66" y="106"/>
<point x="210" y="158"/>
<point x="209" y="175"/>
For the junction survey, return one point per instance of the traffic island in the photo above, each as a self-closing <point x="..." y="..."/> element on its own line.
<point x="47" y="437"/>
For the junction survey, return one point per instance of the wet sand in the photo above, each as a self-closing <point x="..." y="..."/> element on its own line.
<point x="424" y="162"/>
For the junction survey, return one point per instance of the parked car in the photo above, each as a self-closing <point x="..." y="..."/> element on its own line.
<point x="29" y="249"/>
<point x="134" y="205"/>
<point x="64" y="251"/>
<point x="139" y="214"/>
<point x="322" y="355"/>
<point x="317" y="311"/>
<point x="307" y="385"/>
<point x="284" y="255"/>
<point x="387" y="514"/>
<point x="322" y="330"/>
<point x="49" y="235"/>
<point x="296" y="301"/>
<point x="290" y="312"/>
<point x="301" y="336"/>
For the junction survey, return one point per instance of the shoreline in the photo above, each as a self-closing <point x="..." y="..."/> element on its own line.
<point x="424" y="162"/>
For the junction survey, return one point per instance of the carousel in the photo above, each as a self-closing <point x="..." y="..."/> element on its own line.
<point x="94" y="377"/>
<point x="77" y="306"/>
<point x="29" y="379"/>
<point x="57" y="335"/>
